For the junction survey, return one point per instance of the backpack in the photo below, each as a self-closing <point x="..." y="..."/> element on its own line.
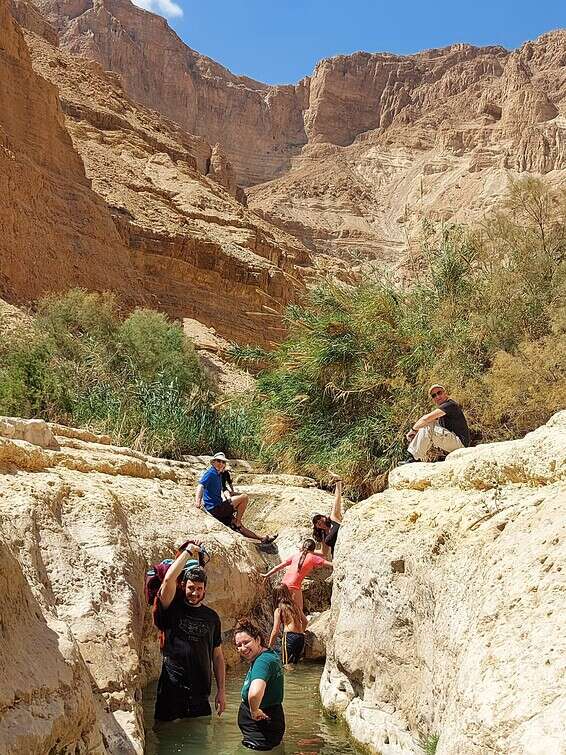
<point x="155" y="575"/>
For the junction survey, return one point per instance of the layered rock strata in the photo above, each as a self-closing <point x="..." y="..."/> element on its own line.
<point x="454" y="625"/>
<point x="54" y="230"/>
<point x="354" y="156"/>
<point x="153" y="214"/>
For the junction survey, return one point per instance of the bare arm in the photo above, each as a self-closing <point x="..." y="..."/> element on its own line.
<point x="326" y="563"/>
<point x="336" y="513"/>
<point x="169" y="584"/>
<point x="276" y="626"/>
<point x="323" y="550"/>
<point x="277" y="568"/>
<point x="428" y="419"/>
<point x="198" y="496"/>
<point x="255" y="696"/>
<point x="219" y="668"/>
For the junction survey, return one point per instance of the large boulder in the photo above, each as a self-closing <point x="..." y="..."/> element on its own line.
<point x="448" y="609"/>
<point x="83" y="524"/>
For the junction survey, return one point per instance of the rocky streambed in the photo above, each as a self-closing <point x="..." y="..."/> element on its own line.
<point x="446" y="607"/>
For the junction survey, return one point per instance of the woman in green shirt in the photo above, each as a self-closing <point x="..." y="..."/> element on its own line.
<point x="261" y="718"/>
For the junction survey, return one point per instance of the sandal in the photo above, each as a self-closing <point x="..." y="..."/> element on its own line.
<point x="268" y="539"/>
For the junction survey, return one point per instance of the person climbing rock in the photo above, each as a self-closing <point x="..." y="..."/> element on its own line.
<point x="288" y="615"/>
<point x="325" y="528"/>
<point x="444" y="428"/>
<point x="298" y="567"/>
<point x="261" y="717"/>
<point x="191" y="647"/>
<point x="229" y="512"/>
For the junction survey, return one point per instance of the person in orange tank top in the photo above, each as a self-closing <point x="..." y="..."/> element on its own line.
<point x="298" y="567"/>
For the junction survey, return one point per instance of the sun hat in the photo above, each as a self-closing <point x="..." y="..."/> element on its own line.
<point x="219" y="457"/>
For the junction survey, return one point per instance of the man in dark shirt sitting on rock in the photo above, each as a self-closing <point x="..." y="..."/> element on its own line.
<point x="444" y="427"/>
<point x="191" y="647"/>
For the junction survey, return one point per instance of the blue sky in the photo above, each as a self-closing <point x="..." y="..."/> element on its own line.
<point x="279" y="41"/>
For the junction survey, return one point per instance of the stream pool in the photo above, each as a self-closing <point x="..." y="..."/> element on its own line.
<point x="309" y="729"/>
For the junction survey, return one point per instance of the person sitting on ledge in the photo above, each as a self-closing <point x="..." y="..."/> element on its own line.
<point x="229" y="512"/>
<point x="444" y="427"/>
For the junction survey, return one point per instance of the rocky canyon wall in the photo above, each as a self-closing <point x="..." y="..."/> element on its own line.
<point x="54" y="230"/>
<point x="103" y="193"/>
<point x="80" y="520"/>
<point x="448" y="604"/>
<point x="352" y="158"/>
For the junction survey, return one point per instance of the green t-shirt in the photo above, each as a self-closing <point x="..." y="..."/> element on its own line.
<point x="266" y="666"/>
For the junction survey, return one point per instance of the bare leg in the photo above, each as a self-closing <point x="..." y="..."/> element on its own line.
<point x="248" y="533"/>
<point x="240" y="503"/>
<point x="336" y="514"/>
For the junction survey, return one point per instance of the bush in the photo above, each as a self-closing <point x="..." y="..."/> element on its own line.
<point x="136" y="378"/>
<point x="483" y="316"/>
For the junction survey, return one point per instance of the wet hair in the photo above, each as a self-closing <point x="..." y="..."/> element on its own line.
<point x="248" y="626"/>
<point x="317" y="532"/>
<point x="196" y="574"/>
<point x="283" y="600"/>
<point x="308" y="547"/>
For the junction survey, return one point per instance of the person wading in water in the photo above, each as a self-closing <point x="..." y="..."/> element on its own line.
<point x="288" y="615"/>
<point x="191" y="646"/>
<point x="325" y="528"/>
<point x="261" y="717"/>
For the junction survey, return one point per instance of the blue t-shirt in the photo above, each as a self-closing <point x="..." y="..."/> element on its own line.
<point x="212" y="484"/>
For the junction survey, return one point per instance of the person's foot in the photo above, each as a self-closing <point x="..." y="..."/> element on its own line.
<point x="335" y="477"/>
<point x="409" y="460"/>
<point x="268" y="539"/>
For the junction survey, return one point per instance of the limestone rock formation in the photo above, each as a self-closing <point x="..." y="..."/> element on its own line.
<point x="144" y="220"/>
<point x="78" y="527"/>
<point x="54" y="230"/>
<point x="351" y="158"/>
<point x="454" y="625"/>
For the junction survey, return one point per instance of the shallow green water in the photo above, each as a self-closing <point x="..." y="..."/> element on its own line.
<point x="309" y="730"/>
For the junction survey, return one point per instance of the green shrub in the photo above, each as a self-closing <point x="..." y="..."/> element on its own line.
<point x="483" y="316"/>
<point x="136" y="378"/>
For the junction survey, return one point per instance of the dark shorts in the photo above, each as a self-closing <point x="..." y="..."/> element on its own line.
<point x="224" y="513"/>
<point x="292" y="647"/>
<point x="262" y="735"/>
<point x="175" y="699"/>
<point x="330" y="539"/>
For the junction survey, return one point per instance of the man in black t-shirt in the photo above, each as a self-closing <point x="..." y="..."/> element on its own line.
<point x="444" y="427"/>
<point x="191" y="648"/>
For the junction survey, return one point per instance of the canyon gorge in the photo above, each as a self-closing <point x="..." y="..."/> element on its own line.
<point x="133" y="164"/>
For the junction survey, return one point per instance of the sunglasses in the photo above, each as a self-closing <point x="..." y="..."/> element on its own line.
<point x="435" y="395"/>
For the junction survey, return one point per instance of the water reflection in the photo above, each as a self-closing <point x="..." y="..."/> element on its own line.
<point x="309" y="730"/>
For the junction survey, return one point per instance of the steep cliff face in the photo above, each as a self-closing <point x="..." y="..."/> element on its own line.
<point x="454" y="626"/>
<point x="354" y="156"/>
<point x="54" y="230"/>
<point x="259" y="127"/>
<point x="150" y="211"/>
<point x="447" y="134"/>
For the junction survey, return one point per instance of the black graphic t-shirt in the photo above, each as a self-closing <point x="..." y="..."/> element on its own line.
<point x="454" y="420"/>
<point x="191" y="634"/>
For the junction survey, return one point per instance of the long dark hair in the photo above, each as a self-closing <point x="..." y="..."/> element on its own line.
<point x="283" y="600"/>
<point x="317" y="532"/>
<point x="308" y="547"/>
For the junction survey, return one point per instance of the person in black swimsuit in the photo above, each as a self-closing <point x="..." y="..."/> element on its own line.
<point x="325" y="528"/>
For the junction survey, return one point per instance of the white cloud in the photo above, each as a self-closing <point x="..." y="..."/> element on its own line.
<point x="167" y="8"/>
